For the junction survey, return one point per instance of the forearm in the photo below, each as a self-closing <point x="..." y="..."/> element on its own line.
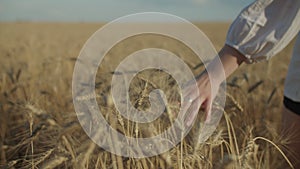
<point x="230" y="59"/>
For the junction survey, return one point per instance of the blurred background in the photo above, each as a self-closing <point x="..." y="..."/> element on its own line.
<point x="39" y="44"/>
<point x="107" y="10"/>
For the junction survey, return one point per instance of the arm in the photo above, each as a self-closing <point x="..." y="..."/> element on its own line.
<point x="258" y="33"/>
<point x="231" y="59"/>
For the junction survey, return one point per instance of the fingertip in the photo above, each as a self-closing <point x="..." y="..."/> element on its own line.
<point x="208" y="114"/>
<point x="208" y="118"/>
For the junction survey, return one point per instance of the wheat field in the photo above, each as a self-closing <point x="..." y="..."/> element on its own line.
<point x="39" y="127"/>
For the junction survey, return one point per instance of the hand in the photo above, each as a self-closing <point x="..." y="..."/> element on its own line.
<point x="219" y="69"/>
<point x="193" y="99"/>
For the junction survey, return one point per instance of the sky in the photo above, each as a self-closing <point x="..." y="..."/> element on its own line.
<point x="108" y="10"/>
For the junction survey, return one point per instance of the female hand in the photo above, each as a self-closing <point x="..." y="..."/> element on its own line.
<point x="203" y="99"/>
<point x="208" y="83"/>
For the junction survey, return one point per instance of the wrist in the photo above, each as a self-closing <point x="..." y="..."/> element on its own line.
<point x="211" y="77"/>
<point x="228" y="61"/>
<point x="234" y="53"/>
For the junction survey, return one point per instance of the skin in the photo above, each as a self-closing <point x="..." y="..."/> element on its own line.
<point x="231" y="59"/>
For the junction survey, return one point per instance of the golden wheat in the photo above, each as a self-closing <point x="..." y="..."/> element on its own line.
<point x="39" y="127"/>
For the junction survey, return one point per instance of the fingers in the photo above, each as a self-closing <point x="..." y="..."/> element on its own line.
<point x="188" y="102"/>
<point x="207" y="109"/>
<point x="192" y="101"/>
<point x="190" y="94"/>
<point x="192" y="112"/>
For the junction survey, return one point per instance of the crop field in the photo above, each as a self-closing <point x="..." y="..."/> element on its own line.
<point x="39" y="127"/>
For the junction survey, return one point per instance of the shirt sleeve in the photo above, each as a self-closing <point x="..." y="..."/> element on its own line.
<point x="264" y="28"/>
